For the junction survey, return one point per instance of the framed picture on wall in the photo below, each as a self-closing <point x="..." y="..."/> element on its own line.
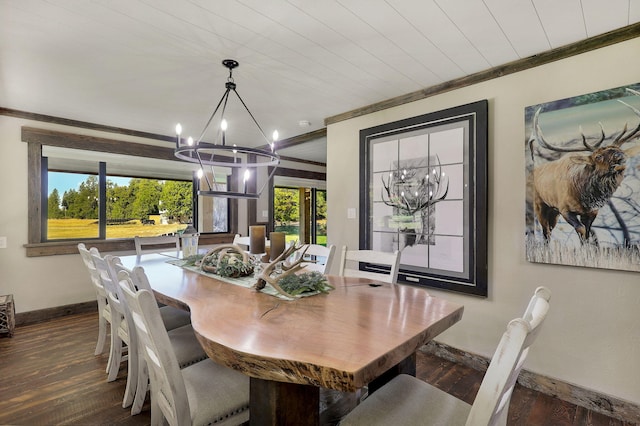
<point x="582" y="160"/>
<point x="423" y="184"/>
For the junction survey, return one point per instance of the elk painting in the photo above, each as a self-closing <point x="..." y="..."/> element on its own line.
<point x="583" y="198"/>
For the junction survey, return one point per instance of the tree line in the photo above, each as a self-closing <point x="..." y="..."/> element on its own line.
<point x="286" y="205"/>
<point x="137" y="200"/>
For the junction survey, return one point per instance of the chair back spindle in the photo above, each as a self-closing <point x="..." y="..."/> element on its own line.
<point x="156" y="244"/>
<point x="389" y="260"/>
<point x="322" y="257"/>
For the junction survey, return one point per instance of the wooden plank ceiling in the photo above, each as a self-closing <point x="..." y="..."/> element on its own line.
<point x="147" y="64"/>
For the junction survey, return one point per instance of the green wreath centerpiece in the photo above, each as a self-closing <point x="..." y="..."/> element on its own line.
<point x="228" y="260"/>
<point x="292" y="282"/>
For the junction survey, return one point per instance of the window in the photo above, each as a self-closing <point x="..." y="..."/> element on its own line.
<point x="113" y="190"/>
<point x="138" y="197"/>
<point x="319" y="216"/>
<point x="134" y="206"/>
<point x="299" y="205"/>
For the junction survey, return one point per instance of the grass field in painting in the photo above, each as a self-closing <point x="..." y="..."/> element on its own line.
<point x="588" y="255"/>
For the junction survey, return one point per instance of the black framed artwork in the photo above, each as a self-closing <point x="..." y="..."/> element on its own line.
<point x="423" y="191"/>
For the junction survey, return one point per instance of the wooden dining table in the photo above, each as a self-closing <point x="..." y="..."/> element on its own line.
<point x="361" y="333"/>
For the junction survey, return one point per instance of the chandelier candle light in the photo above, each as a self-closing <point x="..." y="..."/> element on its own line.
<point x="220" y="154"/>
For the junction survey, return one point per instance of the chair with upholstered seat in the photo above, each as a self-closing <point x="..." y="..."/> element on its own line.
<point x="171" y="317"/>
<point x="388" y="261"/>
<point x="321" y="257"/>
<point x="202" y="393"/>
<point x="406" y="400"/>
<point x="123" y="341"/>
<point x="156" y="244"/>
<point x="104" y="310"/>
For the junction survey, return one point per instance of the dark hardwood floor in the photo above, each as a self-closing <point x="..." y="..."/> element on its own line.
<point x="49" y="376"/>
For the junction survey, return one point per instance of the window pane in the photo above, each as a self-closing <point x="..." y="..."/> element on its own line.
<point x="213" y="213"/>
<point x="286" y="212"/>
<point x="135" y="206"/>
<point x="143" y="196"/>
<point x="321" y="217"/>
<point x="147" y="207"/>
<point x="72" y="207"/>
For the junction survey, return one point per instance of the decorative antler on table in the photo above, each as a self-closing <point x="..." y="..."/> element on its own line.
<point x="227" y="260"/>
<point x="289" y="283"/>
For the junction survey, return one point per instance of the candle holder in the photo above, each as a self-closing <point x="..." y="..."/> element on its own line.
<point x="257" y="239"/>
<point x="277" y="270"/>
<point x="277" y="244"/>
<point x="256" y="262"/>
<point x="189" y="244"/>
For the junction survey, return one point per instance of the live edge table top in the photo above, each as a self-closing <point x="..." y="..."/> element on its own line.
<point x="339" y="340"/>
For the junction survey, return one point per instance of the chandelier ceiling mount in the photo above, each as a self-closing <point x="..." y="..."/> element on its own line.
<point x="221" y="154"/>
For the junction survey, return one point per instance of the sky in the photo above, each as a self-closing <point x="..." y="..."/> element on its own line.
<point x="66" y="181"/>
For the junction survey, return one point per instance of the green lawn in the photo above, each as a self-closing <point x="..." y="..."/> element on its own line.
<point x="68" y="229"/>
<point x="291" y="234"/>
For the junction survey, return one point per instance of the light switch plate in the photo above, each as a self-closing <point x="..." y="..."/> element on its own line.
<point x="351" y="213"/>
<point x="3" y="242"/>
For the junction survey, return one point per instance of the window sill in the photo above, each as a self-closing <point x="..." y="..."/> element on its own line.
<point x="105" y="246"/>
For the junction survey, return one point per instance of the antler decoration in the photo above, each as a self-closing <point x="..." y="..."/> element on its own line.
<point x="227" y="260"/>
<point x="287" y="268"/>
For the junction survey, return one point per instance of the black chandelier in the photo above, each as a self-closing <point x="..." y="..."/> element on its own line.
<point x="221" y="154"/>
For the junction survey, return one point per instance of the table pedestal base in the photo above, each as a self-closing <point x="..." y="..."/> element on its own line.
<point x="406" y="366"/>
<point x="283" y="404"/>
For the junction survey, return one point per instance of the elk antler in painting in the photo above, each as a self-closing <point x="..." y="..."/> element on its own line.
<point x="618" y="141"/>
<point x="408" y="191"/>
<point x="576" y="186"/>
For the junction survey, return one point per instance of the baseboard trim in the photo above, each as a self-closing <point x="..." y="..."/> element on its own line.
<point x="40" y="315"/>
<point x="592" y="400"/>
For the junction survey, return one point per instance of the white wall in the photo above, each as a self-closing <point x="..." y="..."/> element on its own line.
<point x="36" y="283"/>
<point x="591" y="336"/>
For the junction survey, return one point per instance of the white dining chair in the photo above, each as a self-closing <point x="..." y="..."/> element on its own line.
<point x="123" y="341"/>
<point x="156" y="244"/>
<point x="406" y="400"/>
<point x="183" y="340"/>
<point x="119" y="332"/>
<point x="320" y="257"/>
<point x="350" y="261"/>
<point x="202" y="393"/>
<point x="245" y="242"/>
<point x="241" y="241"/>
<point x="104" y="310"/>
<point x="171" y="317"/>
